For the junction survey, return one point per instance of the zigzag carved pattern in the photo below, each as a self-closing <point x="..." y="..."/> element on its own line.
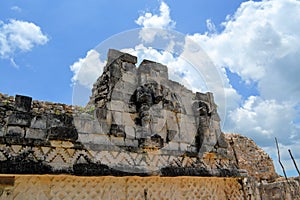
<point x="71" y="156"/>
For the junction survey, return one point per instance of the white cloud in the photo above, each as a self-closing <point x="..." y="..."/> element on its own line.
<point x="265" y="119"/>
<point x="154" y="24"/>
<point x="260" y="43"/>
<point x="285" y="157"/>
<point x="87" y="70"/>
<point x="162" y="21"/>
<point x="19" y="36"/>
<point x="16" y="8"/>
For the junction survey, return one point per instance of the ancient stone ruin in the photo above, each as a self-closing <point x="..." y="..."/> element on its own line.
<point x="137" y="122"/>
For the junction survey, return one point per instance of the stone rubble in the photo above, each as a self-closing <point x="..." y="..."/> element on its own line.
<point x="251" y="157"/>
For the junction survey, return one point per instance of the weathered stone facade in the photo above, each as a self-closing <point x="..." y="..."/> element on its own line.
<point x="137" y="122"/>
<point x="143" y="106"/>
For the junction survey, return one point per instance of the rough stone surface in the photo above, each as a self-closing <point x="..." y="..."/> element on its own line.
<point x="143" y="103"/>
<point x="137" y="123"/>
<point x="114" y="188"/>
<point x="133" y="187"/>
<point x="23" y="103"/>
<point x="250" y="157"/>
<point x="280" y="189"/>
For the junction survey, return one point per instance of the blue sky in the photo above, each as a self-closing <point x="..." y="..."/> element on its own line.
<point x="254" y="45"/>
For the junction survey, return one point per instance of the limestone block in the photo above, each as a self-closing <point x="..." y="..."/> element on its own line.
<point x="171" y="121"/>
<point x="86" y="116"/>
<point x="116" y="105"/>
<point x="88" y="126"/>
<point x="115" y="54"/>
<point x="143" y="79"/>
<point x="171" y="135"/>
<point x="148" y="66"/>
<point x="23" y="103"/>
<point x="162" y="132"/>
<point x="104" y="127"/>
<point x="117" y="130"/>
<point x="210" y="138"/>
<point x="129" y="67"/>
<point x="61" y="120"/>
<point x="62" y="133"/>
<point x="36" y="133"/>
<point x="39" y="122"/>
<point x="119" y="141"/>
<point x="101" y="113"/>
<point x="19" y="119"/>
<point x="221" y="139"/>
<point x="117" y="117"/>
<point x="188" y="130"/>
<point x="129" y="88"/>
<point x="186" y="101"/>
<point x="128" y="119"/>
<point x="183" y="146"/>
<point x="99" y="139"/>
<point x="131" y="143"/>
<point x="205" y="148"/>
<point x="192" y="149"/>
<point x="171" y="146"/>
<point x="108" y="117"/>
<point x="15" y="131"/>
<point x="131" y="78"/>
<point x="142" y="132"/>
<point x="130" y="132"/>
<point x="117" y="95"/>
<point x="157" y="111"/>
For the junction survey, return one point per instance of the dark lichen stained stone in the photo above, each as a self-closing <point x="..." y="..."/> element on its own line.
<point x="23" y="103"/>
<point x="63" y="133"/>
<point x="24" y="141"/>
<point x="197" y="171"/>
<point x="187" y="171"/>
<point x="24" y="167"/>
<point x="92" y="169"/>
<point x="19" y="119"/>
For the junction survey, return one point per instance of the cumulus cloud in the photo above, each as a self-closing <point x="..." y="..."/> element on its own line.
<point x="266" y="119"/>
<point x="179" y="68"/>
<point x="261" y="44"/>
<point x="19" y="36"/>
<point x="86" y="70"/>
<point x="154" y="24"/>
<point x="163" y="20"/>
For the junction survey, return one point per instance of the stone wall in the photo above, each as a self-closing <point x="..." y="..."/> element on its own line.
<point x="280" y="189"/>
<point x="42" y="137"/>
<point x="71" y="187"/>
<point x="137" y="122"/>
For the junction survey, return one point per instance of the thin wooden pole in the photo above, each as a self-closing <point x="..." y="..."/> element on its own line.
<point x="280" y="160"/>
<point x="294" y="161"/>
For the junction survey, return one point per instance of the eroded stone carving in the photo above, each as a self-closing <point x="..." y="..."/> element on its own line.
<point x="144" y="105"/>
<point x="136" y="122"/>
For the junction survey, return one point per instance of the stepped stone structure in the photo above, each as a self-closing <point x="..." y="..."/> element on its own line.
<point x="137" y="123"/>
